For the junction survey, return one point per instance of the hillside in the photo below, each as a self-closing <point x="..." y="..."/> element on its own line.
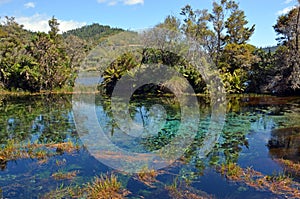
<point x="271" y="49"/>
<point x="93" y="33"/>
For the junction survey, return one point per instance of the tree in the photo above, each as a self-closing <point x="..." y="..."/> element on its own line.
<point x="54" y="28"/>
<point x="171" y="23"/>
<point x="54" y="64"/>
<point x="261" y="72"/>
<point x="287" y="27"/>
<point x="12" y="52"/>
<point x="195" y="23"/>
<point x="218" y="20"/>
<point x="127" y="62"/>
<point x="287" y="57"/>
<point x="237" y="32"/>
<point x="235" y="65"/>
<point x="33" y="61"/>
<point x="76" y="49"/>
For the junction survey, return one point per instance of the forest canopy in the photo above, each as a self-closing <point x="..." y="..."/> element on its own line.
<point x="34" y="62"/>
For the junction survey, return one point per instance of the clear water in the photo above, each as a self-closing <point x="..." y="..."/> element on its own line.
<point x="258" y="131"/>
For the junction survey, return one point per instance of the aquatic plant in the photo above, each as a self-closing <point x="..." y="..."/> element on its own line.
<point x="102" y="187"/>
<point x="289" y="165"/>
<point x="181" y="190"/>
<point x="64" y="192"/>
<point x="60" y="175"/>
<point x="147" y="176"/>
<point x="277" y="184"/>
<point x="232" y="171"/>
<point x="16" y="150"/>
<point x="105" y="187"/>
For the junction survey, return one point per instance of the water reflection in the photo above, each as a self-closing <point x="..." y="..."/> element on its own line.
<point x="258" y="130"/>
<point x="285" y="143"/>
<point x="41" y="119"/>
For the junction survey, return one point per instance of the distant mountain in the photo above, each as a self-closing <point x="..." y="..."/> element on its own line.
<point x="93" y="33"/>
<point x="271" y="49"/>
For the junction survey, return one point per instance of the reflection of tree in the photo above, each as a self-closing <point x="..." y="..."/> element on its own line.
<point x="55" y="124"/>
<point x="157" y="140"/>
<point x="139" y="110"/>
<point x="42" y="118"/>
<point x="232" y="140"/>
<point x="284" y="143"/>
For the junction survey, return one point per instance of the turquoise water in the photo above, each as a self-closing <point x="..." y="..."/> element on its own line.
<point x="258" y="131"/>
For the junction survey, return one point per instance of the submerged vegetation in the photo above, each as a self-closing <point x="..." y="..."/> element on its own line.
<point x="103" y="187"/>
<point x="62" y="175"/>
<point x="62" y="168"/>
<point x="290" y="166"/>
<point x="279" y="184"/>
<point x="148" y="176"/>
<point x="13" y="150"/>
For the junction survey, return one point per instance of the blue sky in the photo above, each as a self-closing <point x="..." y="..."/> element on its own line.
<point x="136" y="14"/>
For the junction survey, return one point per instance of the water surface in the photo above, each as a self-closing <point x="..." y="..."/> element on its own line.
<point x="259" y="131"/>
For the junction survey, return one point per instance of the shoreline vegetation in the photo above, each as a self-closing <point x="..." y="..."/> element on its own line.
<point x="38" y="61"/>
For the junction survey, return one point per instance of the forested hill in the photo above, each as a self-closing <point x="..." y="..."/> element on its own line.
<point x="271" y="49"/>
<point x="93" y="32"/>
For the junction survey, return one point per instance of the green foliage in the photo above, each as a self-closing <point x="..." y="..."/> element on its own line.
<point x="287" y="56"/>
<point x="13" y="40"/>
<point x="114" y="72"/>
<point x="286" y="26"/>
<point x="48" y="61"/>
<point x="170" y="23"/>
<point x="224" y="34"/>
<point x="128" y="61"/>
<point x="54" y="65"/>
<point x="262" y="71"/>
<point x="237" y="33"/>
<point x="94" y="33"/>
<point x="33" y="61"/>
<point x="235" y="62"/>
<point x="230" y="52"/>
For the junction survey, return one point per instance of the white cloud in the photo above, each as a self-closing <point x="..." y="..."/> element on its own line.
<point x="133" y="2"/>
<point x="29" y="5"/>
<point x="126" y="2"/>
<point x="112" y="3"/>
<point x="288" y="1"/>
<point x="69" y="25"/>
<point x="39" y="22"/>
<point x="285" y="10"/>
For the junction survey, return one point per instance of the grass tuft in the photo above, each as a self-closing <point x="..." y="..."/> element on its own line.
<point x="105" y="187"/>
